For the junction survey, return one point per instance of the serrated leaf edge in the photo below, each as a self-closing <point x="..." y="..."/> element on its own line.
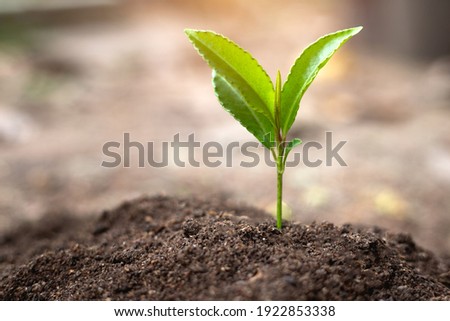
<point x="314" y="75"/>
<point x="253" y="111"/>
<point x="269" y="110"/>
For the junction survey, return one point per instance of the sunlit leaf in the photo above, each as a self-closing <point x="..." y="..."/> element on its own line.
<point x="237" y="105"/>
<point x="238" y="68"/>
<point x="305" y="69"/>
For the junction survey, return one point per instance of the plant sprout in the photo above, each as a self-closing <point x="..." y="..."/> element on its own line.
<point x="246" y="91"/>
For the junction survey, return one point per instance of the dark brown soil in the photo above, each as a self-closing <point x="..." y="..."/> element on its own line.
<point x="164" y="248"/>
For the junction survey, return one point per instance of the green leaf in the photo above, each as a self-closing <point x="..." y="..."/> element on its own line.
<point x="277" y="101"/>
<point x="239" y="69"/>
<point x="290" y="146"/>
<point x="235" y="103"/>
<point x="305" y="70"/>
<point x="269" y="140"/>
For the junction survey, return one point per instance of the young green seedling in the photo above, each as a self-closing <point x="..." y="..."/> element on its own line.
<point x="245" y="90"/>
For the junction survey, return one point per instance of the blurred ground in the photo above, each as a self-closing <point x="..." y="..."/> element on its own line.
<point x="71" y="81"/>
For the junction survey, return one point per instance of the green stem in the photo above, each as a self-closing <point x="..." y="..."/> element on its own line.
<point x="279" y="196"/>
<point x="280" y="172"/>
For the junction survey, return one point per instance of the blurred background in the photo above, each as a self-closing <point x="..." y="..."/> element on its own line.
<point x="75" y="74"/>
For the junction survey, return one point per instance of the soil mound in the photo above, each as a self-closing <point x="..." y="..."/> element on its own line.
<point x="164" y="248"/>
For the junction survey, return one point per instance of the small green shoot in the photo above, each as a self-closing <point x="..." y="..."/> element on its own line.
<point x="246" y="91"/>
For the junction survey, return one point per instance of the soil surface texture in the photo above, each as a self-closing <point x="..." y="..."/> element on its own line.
<point x="165" y="248"/>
